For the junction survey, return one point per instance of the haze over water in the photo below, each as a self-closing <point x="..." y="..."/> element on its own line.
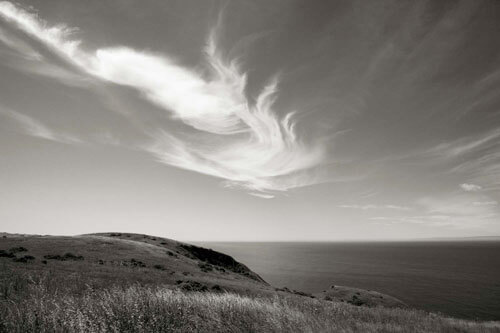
<point x="457" y="278"/>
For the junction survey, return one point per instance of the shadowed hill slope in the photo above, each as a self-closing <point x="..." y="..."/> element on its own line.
<point x="105" y="259"/>
<point x="108" y="258"/>
<point x="118" y="282"/>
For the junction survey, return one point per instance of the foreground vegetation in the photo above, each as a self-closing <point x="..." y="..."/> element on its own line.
<point x="38" y="303"/>
<point x="116" y="282"/>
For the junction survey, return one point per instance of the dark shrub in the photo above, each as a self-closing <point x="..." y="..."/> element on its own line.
<point x="218" y="259"/>
<point x="66" y="256"/>
<point x="53" y="257"/>
<point x="193" y="286"/>
<point x="133" y="263"/>
<point x="44" y="262"/>
<point x="6" y="254"/>
<point x="205" y="267"/>
<point x="356" y="301"/>
<point x="160" y="267"/>
<point x="18" y="249"/>
<point x="71" y="256"/>
<point x="24" y="259"/>
<point x="301" y="293"/>
<point x="216" y="288"/>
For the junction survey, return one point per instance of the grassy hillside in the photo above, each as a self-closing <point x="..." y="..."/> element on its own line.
<point x="138" y="283"/>
<point x="116" y="258"/>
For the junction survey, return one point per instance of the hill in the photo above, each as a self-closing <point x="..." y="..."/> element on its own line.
<point x="131" y="282"/>
<point x="119" y="258"/>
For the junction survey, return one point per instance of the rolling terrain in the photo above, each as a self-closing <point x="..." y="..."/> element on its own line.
<point x="131" y="282"/>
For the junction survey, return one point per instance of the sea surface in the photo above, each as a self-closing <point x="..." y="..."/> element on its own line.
<point x="456" y="278"/>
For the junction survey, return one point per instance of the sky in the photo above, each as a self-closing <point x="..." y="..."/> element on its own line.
<point x="251" y="120"/>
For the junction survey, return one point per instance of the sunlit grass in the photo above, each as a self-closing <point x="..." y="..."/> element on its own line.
<point x="35" y="304"/>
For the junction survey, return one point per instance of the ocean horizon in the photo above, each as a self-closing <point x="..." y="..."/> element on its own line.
<point x="454" y="277"/>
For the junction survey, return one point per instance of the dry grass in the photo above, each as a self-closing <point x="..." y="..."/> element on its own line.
<point x="36" y="304"/>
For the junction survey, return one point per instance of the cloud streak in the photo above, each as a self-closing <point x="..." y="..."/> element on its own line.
<point x="463" y="211"/>
<point x="470" y="187"/>
<point x="371" y="206"/>
<point x="35" y="128"/>
<point x="231" y="136"/>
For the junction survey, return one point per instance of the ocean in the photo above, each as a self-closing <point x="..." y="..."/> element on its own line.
<point x="456" y="278"/>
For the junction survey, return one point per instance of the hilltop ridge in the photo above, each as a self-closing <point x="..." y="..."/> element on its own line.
<point x="103" y="259"/>
<point x="122" y="282"/>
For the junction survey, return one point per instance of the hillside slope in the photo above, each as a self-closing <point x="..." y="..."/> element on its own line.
<point x="123" y="258"/>
<point x="117" y="282"/>
<point x="108" y="258"/>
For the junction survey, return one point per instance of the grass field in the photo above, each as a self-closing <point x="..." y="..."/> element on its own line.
<point x="38" y="304"/>
<point x="141" y="284"/>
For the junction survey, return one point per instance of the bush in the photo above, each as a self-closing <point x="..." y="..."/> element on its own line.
<point x="24" y="259"/>
<point x="205" y="267"/>
<point x="170" y="253"/>
<point x="53" y="257"/>
<point x="216" y="288"/>
<point x="32" y="305"/>
<point x="18" y="249"/>
<point x="71" y="256"/>
<point x="66" y="256"/>
<point x="6" y="254"/>
<point x="133" y="263"/>
<point x="160" y="267"/>
<point x="193" y="286"/>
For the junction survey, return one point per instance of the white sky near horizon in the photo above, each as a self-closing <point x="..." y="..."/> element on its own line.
<point x="251" y="120"/>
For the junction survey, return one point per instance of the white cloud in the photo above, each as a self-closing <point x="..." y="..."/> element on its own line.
<point x="485" y="203"/>
<point x="475" y="157"/>
<point x="465" y="210"/>
<point x="233" y="138"/>
<point x="262" y="195"/>
<point x="470" y="187"/>
<point x="466" y="145"/>
<point x="19" y="46"/>
<point x="35" y="128"/>
<point x="456" y="205"/>
<point x="371" y="206"/>
<point x="433" y="220"/>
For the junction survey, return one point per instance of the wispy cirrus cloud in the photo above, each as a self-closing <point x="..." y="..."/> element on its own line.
<point x="466" y="210"/>
<point x="434" y="220"/>
<point x="475" y="157"/>
<point x="36" y="128"/>
<point x="372" y="206"/>
<point x="469" y="144"/>
<point x="232" y="136"/>
<point x="19" y="46"/>
<point x="485" y="203"/>
<point x="470" y="187"/>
